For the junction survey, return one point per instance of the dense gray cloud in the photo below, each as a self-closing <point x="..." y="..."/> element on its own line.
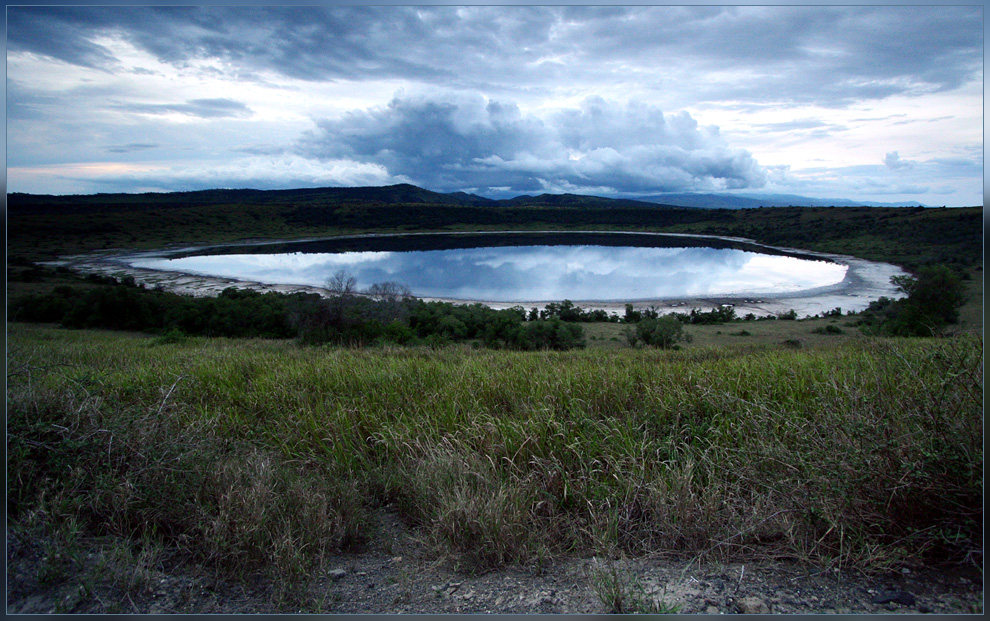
<point x="25" y="104"/>
<point x="299" y="42"/>
<point x="465" y="141"/>
<point x="610" y="100"/>
<point x="65" y="33"/>
<point x="831" y="55"/>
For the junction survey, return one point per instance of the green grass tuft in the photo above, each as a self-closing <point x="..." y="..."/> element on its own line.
<point x="259" y="455"/>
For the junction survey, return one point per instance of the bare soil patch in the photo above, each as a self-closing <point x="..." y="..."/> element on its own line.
<point x="395" y="574"/>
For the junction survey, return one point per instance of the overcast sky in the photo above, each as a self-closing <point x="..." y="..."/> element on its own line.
<point x="865" y="103"/>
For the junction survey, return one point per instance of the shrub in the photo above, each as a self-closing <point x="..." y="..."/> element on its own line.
<point x="506" y="332"/>
<point x="934" y="296"/>
<point x="718" y="315"/>
<point x="663" y="332"/>
<point x="829" y="329"/>
<point x="553" y="334"/>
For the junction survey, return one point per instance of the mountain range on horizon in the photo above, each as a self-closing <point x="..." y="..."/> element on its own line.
<point x="748" y="201"/>
<point x="408" y="193"/>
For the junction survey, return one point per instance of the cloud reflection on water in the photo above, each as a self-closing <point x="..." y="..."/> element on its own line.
<point x="532" y="273"/>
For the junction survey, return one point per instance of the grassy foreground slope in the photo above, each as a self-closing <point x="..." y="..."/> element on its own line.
<point x="263" y="455"/>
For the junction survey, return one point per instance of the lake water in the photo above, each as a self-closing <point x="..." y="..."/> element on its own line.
<point x="520" y="267"/>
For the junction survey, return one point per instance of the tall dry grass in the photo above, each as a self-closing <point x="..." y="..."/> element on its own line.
<point x="264" y="455"/>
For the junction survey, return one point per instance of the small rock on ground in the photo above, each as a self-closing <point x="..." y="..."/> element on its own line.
<point x="752" y="606"/>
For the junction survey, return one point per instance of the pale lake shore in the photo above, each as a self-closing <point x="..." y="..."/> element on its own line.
<point x="864" y="282"/>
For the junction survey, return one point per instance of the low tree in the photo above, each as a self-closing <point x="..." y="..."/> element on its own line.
<point x="632" y="315"/>
<point x="341" y="284"/>
<point x="663" y="332"/>
<point x="342" y="287"/>
<point x="392" y="301"/>
<point x="934" y="295"/>
<point x="389" y="292"/>
<point x="789" y="315"/>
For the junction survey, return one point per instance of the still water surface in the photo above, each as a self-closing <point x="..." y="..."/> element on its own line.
<point x="512" y="268"/>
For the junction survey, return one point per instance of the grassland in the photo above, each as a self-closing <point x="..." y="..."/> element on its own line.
<point x="262" y="455"/>
<point x="774" y="439"/>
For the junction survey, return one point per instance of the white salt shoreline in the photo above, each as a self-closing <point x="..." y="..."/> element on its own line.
<point x="864" y="281"/>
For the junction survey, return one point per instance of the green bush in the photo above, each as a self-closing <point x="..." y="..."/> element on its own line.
<point x="663" y="332"/>
<point x="829" y="329"/>
<point x="554" y="334"/>
<point x="934" y="296"/>
<point x="128" y="306"/>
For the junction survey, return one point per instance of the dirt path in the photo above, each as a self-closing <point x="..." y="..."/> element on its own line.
<point x="396" y="576"/>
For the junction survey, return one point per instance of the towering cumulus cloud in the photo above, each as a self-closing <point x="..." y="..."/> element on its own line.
<point x="463" y="140"/>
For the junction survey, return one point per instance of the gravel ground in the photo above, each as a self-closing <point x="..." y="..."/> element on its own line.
<point x="396" y="575"/>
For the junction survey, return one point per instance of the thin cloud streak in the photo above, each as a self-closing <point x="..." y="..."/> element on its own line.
<point x="202" y="108"/>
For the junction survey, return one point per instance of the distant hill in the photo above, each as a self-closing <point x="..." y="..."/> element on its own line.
<point x="407" y="194"/>
<point x="750" y="201"/>
<point x="580" y="200"/>
<point x="400" y="194"/>
<point x="40" y="227"/>
<point x="385" y="195"/>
